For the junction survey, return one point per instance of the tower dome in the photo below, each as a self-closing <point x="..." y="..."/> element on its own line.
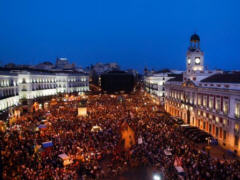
<point x="195" y="38"/>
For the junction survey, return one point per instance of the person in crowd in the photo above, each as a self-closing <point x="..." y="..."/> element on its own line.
<point x="100" y="154"/>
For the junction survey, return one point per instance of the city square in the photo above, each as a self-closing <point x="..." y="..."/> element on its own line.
<point x="119" y="90"/>
<point x="97" y="145"/>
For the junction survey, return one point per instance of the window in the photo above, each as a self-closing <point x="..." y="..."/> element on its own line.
<point x="216" y="131"/>
<point x="199" y="113"/>
<point x="225" y="107"/>
<point x="199" y="100"/>
<point x="195" y="100"/>
<point x="181" y="94"/>
<point x="236" y="127"/>
<point x="204" y="114"/>
<point x="211" y="102"/>
<point x="237" y="110"/>
<point x="225" y="122"/>
<point x="221" y="120"/>
<point x="224" y="135"/>
<point x="24" y="81"/>
<point x="192" y="98"/>
<point x="218" y="104"/>
<point x="210" y="128"/>
<point x="217" y="119"/>
<point x="213" y="117"/>
<point x="236" y="139"/>
<point x="210" y="116"/>
<point x="204" y="101"/>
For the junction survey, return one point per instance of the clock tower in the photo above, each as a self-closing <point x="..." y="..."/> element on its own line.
<point x="195" y="57"/>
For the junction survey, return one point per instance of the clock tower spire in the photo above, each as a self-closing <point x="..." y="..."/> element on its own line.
<point x="195" y="57"/>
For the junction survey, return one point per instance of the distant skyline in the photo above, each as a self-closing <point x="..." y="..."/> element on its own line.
<point x="134" y="34"/>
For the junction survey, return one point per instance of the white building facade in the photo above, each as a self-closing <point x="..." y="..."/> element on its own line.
<point x="16" y="85"/>
<point x="154" y="83"/>
<point x="209" y="100"/>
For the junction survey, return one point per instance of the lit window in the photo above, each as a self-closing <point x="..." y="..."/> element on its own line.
<point x="210" y="116"/>
<point x="236" y="127"/>
<point x="211" y="103"/>
<point x="237" y="110"/>
<point x="225" y="107"/>
<point x="182" y="96"/>
<point x="191" y="99"/>
<point x="225" y="121"/>
<point x="204" y="114"/>
<point x="199" y="100"/>
<point x="205" y="101"/>
<point x="218" y="104"/>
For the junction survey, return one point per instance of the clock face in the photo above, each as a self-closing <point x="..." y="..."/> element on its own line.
<point x="197" y="60"/>
<point x="189" y="61"/>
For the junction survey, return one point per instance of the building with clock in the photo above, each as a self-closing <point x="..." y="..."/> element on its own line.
<point x="208" y="99"/>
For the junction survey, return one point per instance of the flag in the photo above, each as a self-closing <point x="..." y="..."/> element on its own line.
<point x="128" y="136"/>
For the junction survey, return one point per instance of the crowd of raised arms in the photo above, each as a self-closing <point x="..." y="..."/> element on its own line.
<point x="100" y="154"/>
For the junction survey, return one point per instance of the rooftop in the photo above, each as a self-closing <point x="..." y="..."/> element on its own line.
<point x="35" y="71"/>
<point x="226" y="77"/>
<point x="177" y="77"/>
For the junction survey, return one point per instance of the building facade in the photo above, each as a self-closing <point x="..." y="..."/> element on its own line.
<point x="17" y="85"/>
<point x="99" y="68"/>
<point x="154" y="83"/>
<point x="207" y="99"/>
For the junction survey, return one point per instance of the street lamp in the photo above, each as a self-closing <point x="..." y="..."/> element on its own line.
<point x="156" y="177"/>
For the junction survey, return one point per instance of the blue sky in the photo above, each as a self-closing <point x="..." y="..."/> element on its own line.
<point x="133" y="33"/>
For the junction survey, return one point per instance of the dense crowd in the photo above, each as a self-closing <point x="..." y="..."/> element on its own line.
<point x="100" y="154"/>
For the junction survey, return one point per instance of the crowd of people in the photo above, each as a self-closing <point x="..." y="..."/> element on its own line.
<point x="100" y="154"/>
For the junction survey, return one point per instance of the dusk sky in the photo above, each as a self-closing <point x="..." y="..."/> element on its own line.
<point x="133" y="33"/>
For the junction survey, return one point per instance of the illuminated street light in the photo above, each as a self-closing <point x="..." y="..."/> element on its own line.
<point x="156" y="177"/>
